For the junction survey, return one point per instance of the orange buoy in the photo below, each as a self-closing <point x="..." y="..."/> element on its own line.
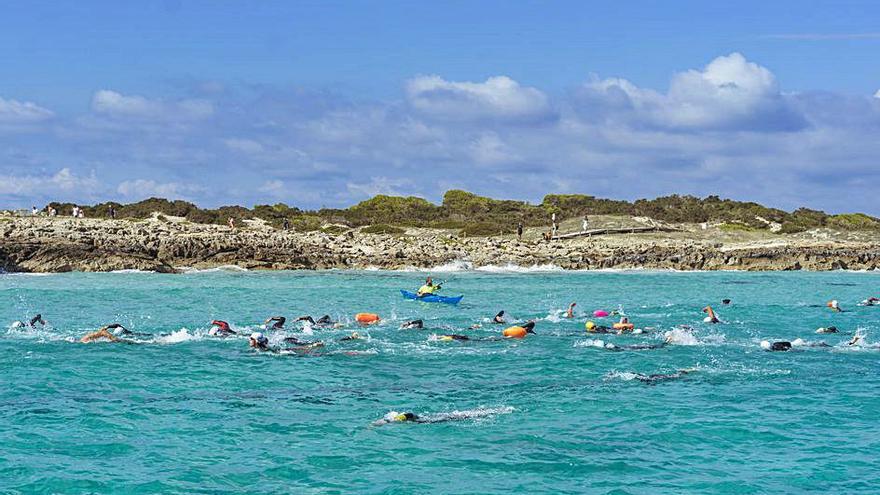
<point x="367" y="318"/>
<point x="514" y="332"/>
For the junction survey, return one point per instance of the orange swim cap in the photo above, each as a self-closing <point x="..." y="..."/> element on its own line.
<point x="366" y="318"/>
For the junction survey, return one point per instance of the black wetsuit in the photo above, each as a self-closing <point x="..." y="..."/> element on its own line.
<point x="780" y="346"/>
<point x="413" y="324"/>
<point x="499" y="318"/>
<point x="279" y="322"/>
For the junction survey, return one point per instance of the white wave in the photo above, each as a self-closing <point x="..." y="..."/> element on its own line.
<point x="621" y="375"/>
<point x="467" y="266"/>
<point x="681" y="336"/>
<point x="224" y="268"/>
<point x="597" y="343"/>
<point x="470" y="414"/>
<point x="177" y="337"/>
<point x="131" y="270"/>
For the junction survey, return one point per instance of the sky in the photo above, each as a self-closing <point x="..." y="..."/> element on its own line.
<point x="326" y="103"/>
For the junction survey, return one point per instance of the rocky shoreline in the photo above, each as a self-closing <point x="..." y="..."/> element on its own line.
<point x="91" y="245"/>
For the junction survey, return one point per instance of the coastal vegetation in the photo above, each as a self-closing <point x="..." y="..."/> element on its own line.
<point x="477" y="215"/>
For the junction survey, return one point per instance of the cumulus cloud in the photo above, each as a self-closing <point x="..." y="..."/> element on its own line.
<point x="381" y="185"/>
<point x="22" y="112"/>
<point x="113" y="104"/>
<point x="498" y="98"/>
<point x="730" y="93"/>
<point x="63" y="181"/>
<point x="724" y="128"/>
<point x="143" y="188"/>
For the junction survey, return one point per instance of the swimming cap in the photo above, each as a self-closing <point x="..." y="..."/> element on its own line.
<point x="259" y="337"/>
<point x="765" y="345"/>
<point x="590" y="325"/>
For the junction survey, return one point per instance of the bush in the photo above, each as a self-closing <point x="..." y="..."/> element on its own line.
<point x="481" y="229"/>
<point x="381" y="228"/>
<point x="736" y="227"/>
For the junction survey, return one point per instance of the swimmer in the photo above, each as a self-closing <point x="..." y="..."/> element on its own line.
<point x="593" y="328"/>
<point x="220" y="328"/>
<point x="414" y="324"/>
<point x="353" y="336"/>
<point x="452" y="336"/>
<point x="325" y="321"/>
<point x="410" y="417"/>
<point x="259" y="342"/>
<point x="104" y="333"/>
<point x="570" y="312"/>
<point x="307" y="318"/>
<point x="725" y="302"/>
<point x="858" y="340"/>
<point x="296" y="341"/>
<point x="712" y="318"/>
<point x="662" y="377"/>
<point x="32" y="323"/>
<point x="396" y="417"/>
<point x="499" y="318"/>
<point x="871" y="301"/>
<point x="776" y="346"/>
<point x="827" y="330"/>
<point x="277" y="322"/>
<point x="835" y="306"/>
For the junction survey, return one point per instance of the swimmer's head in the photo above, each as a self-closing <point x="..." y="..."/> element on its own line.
<point x="590" y="325"/>
<point x="258" y="339"/>
<point x="725" y="301"/>
<point x="529" y="327"/>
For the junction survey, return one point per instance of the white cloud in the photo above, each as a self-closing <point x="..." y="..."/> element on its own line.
<point x="113" y="104"/>
<point x="273" y="187"/>
<point x="877" y="94"/>
<point x="63" y="181"/>
<point x="243" y="145"/>
<point x="144" y="188"/>
<point x="381" y="185"/>
<point x="498" y="98"/>
<point x="22" y="112"/>
<point x="729" y="93"/>
<point x="490" y="149"/>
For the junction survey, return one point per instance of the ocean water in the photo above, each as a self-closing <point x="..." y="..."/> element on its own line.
<point x="183" y="412"/>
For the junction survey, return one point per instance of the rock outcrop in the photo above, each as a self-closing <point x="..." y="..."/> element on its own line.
<point x="65" y="244"/>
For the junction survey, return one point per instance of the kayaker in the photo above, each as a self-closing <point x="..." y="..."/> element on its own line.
<point x="428" y="289"/>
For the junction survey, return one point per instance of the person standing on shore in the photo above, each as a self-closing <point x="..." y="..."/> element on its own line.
<point x="286" y="224"/>
<point x="112" y="212"/>
<point x="34" y="211"/>
<point x="584" y="224"/>
<point x="519" y="231"/>
<point x="75" y="212"/>
<point x="231" y="223"/>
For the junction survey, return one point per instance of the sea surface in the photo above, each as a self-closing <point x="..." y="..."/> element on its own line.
<point x="558" y="412"/>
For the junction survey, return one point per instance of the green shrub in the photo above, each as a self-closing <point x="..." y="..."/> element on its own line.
<point x="481" y="229"/>
<point x="334" y="229"/>
<point x="381" y="228"/>
<point x="736" y="227"/>
<point x="854" y="221"/>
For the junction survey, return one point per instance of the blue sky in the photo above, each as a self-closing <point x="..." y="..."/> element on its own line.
<point x="326" y="103"/>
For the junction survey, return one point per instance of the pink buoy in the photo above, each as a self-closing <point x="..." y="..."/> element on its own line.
<point x="600" y="313"/>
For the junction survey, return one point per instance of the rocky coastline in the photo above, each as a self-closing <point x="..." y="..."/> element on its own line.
<point x="46" y="245"/>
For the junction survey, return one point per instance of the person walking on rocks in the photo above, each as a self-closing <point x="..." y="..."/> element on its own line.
<point x="519" y="231"/>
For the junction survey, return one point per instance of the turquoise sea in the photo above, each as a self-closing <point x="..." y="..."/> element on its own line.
<point x="183" y="412"/>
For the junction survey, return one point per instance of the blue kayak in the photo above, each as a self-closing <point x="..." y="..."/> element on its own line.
<point x="431" y="298"/>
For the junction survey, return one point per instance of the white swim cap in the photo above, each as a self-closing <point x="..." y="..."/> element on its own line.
<point x="765" y="345"/>
<point x="259" y="337"/>
<point x="798" y="341"/>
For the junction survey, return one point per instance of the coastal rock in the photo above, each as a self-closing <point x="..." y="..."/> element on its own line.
<point x="65" y="244"/>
